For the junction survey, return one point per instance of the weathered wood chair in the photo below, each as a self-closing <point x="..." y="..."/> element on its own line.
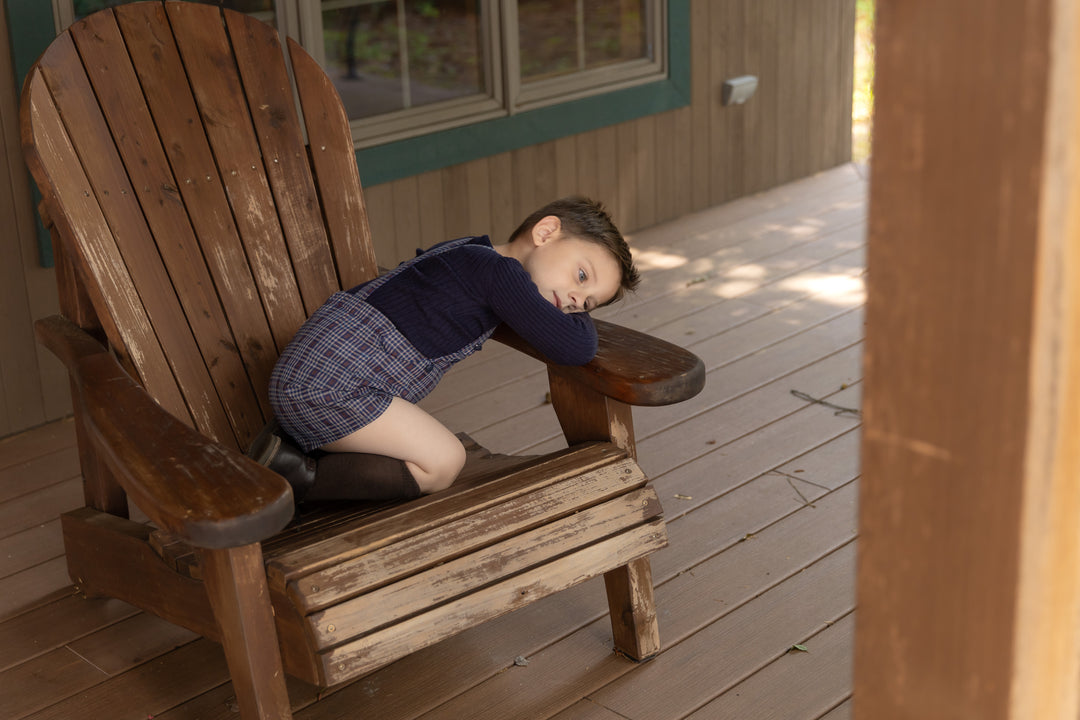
<point x="194" y="230"/>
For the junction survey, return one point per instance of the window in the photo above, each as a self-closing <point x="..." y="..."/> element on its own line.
<point x="407" y="68"/>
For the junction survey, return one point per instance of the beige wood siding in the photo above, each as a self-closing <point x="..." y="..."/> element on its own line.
<point x="647" y="171"/>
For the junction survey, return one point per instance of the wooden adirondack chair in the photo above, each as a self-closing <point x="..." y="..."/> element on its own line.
<point x="194" y="231"/>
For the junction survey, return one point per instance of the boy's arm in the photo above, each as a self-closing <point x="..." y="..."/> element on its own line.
<point x="564" y="338"/>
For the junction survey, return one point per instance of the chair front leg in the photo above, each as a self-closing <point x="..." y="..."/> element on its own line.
<point x="633" y="609"/>
<point x="235" y="580"/>
<point x="585" y="415"/>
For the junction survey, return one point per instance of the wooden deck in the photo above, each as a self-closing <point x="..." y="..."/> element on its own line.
<point x="757" y="480"/>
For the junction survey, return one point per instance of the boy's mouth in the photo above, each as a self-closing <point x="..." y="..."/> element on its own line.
<point x="558" y="303"/>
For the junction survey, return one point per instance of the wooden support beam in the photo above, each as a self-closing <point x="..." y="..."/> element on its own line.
<point x="969" y="571"/>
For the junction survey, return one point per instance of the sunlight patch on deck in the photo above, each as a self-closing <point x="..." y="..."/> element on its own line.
<point x="837" y="288"/>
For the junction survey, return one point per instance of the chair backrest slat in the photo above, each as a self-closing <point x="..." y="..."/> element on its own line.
<point x="153" y="51"/>
<point x="78" y="215"/>
<point x="336" y="174"/>
<point x="201" y="254"/>
<point x="273" y="110"/>
<point x="211" y="70"/>
<point x="173" y="283"/>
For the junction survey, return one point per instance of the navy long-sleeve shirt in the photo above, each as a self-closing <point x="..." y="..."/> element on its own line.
<point x="443" y="302"/>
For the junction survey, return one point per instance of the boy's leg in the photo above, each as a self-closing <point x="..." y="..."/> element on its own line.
<point x="431" y="453"/>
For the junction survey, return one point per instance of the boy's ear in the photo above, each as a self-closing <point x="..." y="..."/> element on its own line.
<point x="545" y="229"/>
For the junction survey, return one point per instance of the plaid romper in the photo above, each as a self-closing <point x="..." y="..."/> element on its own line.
<point x="348" y="361"/>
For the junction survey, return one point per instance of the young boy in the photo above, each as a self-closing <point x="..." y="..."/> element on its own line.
<point x="344" y="390"/>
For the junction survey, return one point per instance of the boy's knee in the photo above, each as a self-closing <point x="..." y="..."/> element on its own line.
<point x="443" y="471"/>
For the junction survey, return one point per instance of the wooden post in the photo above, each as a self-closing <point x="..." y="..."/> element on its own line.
<point x="236" y="583"/>
<point x="969" y="533"/>
<point x="587" y="415"/>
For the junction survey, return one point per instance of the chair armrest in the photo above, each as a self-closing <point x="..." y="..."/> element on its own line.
<point x="629" y="366"/>
<point x="207" y="494"/>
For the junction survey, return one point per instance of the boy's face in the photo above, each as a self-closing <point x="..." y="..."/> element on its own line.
<point x="572" y="274"/>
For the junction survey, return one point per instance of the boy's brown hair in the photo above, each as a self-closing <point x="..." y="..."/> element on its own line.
<point x="588" y="220"/>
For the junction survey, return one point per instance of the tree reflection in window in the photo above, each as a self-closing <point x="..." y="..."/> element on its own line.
<point x="387" y="55"/>
<point x="558" y="37"/>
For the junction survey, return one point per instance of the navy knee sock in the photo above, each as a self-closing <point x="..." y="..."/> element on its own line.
<point x="361" y="476"/>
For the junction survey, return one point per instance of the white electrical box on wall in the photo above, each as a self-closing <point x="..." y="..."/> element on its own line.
<point x="738" y="90"/>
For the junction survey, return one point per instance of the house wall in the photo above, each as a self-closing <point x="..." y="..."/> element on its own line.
<point x="646" y="171"/>
<point x="662" y="166"/>
<point x="33" y="384"/>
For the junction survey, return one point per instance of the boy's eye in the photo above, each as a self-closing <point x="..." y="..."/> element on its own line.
<point x="581" y="276"/>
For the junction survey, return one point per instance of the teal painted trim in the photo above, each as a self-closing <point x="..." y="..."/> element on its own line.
<point x="31" y="25"/>
<point x="32" y="28"/>
<point x="404" y="158"/>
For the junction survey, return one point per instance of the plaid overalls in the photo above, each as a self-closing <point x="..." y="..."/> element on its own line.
<point x="347" y="362"/>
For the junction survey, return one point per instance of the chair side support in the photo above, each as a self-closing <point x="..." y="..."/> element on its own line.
<point x="585" y="415"/>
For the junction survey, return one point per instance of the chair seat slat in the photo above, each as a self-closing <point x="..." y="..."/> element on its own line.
<point x="452" y="579"/>
<point x="402" y="521"/>
<point x="374" y="650"/>
<point x="517" y="514"/>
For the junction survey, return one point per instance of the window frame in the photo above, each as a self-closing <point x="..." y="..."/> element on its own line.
<point x="524" y="96"/>
<point x="507" y="94"/>
<point x="409" y="122"/>
<point x="433" y="151"/>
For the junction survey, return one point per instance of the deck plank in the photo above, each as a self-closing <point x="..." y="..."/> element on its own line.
<point x="38" y="683"/>
<point x="587" y="710"/>
<point x="43" y="440"/>
<point x="751" y="636"/>
<point x="40" y="506"/>
<point x="147" y="690"/>
<point x="54" y="624"/>
<point x="840" y="712"/>
<point x="20" y="590"/>
<point x="130" y="642"/>
<point x="796" y="683"/>
<point x="28" y="548"/>
<point x="61" y="464"/>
